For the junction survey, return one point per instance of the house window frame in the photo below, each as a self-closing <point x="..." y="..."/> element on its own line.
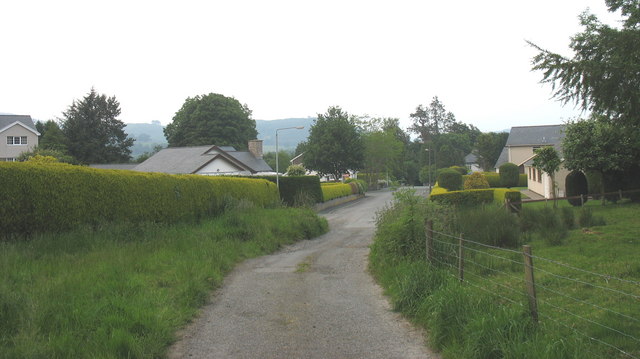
<point x="21" y="140"/>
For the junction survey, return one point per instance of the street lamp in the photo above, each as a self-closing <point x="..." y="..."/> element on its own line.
<point x="429" y="156"/>
<point x="277" y="167"/>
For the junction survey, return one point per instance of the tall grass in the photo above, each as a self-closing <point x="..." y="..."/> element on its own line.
<point x="122" y="291"/>
<point x="477" y="318"/>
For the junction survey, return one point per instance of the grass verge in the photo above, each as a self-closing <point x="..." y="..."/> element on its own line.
<point x="123" y="291"/>
<point x="487" y="316"/>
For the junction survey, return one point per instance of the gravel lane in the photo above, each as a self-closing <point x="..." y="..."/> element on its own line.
<point x="313" y="299"/>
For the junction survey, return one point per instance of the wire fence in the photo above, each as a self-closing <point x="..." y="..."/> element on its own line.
<point x="600" y="307"/>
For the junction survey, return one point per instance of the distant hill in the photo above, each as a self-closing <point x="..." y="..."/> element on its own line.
<point x="149" y="135"/>
<point x="288" y="139"/>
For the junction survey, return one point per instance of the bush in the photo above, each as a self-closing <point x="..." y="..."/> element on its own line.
<point x="523" y="180"/>
<point x="587" y="219"/>
<point x="500" y="195"/>
<point x="509" y="175"/>
<point x="362" y="185"/>
<point x="576" y="185"/>
<point x="296" y="170"/>
<point x="476" y="181"/>
<point x="493" y="179"/>
<point x="43" y="197"/>
<point x="460" y="169"/>
<point x="450" y="179"/>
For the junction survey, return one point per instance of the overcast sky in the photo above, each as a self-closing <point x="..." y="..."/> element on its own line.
<point x="288" y="58"/>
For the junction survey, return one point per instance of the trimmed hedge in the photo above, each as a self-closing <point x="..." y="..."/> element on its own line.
<point x="450" y="179"/>
<point x="43" y="197"/>
<point x="475" y="181"/>
<point x="494" y="179"/>
<point x="509" y="175"/>
<point x="294" y="188"/>
<point x="335" y="190"/>
<point x="474" y="196"/>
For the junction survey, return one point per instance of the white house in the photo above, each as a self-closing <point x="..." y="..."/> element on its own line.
<point x="208" y="160"/>
<point x="18" y="134"/>
<point x="519" y="150"/>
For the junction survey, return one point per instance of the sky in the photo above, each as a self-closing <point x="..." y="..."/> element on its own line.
<point x="289" y="58"/>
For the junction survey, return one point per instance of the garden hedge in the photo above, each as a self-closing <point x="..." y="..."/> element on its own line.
<point x="294" y="189"/>
<point x="494" y="179"/>
<point x="474" y="196"/>
<point x="509" y="175"/>
<point x="335" y="190"/>
<point x="43" y="197"/>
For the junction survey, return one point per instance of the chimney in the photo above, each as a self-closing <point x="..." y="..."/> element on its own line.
<point x="255" y="147"/>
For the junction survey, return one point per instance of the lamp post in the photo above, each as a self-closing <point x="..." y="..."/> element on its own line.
<point x="277" y="167"/>
<point x="429" y="156"/>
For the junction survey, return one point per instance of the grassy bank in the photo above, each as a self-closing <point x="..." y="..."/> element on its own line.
<point x="123" y="291"/>
<point x="487" y="315"/>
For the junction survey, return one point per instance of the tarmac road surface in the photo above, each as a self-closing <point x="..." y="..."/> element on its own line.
<point x="313" y="299"/>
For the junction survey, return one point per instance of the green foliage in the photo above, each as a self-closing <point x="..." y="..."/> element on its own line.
<point x="296" y="170"/>
<point x="39" y="151"/>
<point x="489" y="146"/>
<point x="296" y="190"/>
<point x="587" y="219"/>
<point x="362" y="185"/>
<point x="284" y="158"/>
<point x="335" y="190"/>
<point x="523" y="181"/>
<point x="211" y="119"/>
<point x="476" y="180"/>
<point x="602" y="76"/>
<point x="490" y="225"/>
<point x="576" y="185"/>
<point x="335" y="145"/>
<point x="509" y="175"/>
<point x="450" y="179"/>
<point x="427" y="174"/>
<point x="93" y="132"/>
<point x="124" y="290"/>
<point x="460" y="169"/>
<point x="383" y="146"/>
<point x="471" y="197"/>
<point x="47" y="197"/>
<point x="51" y="136"/>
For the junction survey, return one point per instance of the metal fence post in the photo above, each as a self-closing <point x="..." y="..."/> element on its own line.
<point x="529" y="282"/>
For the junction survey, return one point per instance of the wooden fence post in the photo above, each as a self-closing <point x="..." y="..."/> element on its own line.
<point x="461" y="258"/>
<point x="581" y="200"/>
<point x="429" y="242"/>
<point x="529" y="283"/>
<point x="620" y="192"/>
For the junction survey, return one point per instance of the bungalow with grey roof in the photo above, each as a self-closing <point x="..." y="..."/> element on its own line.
<point x="18" y="134"/>
<point x="208" y="160"/>
<point x="519" y="149"/>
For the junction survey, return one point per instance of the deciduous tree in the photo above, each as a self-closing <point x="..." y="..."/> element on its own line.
<point x="547" y="160"/>
<point x="335" y="144"/>
<point x="211" y="119"/>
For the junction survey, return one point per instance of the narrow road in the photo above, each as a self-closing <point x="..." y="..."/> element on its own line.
<point x="314" y="299"/>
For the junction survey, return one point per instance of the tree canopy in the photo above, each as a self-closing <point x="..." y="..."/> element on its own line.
<point x="335" y="144"/>
<point x="93" y="132"/>
<point x="604" y="73"/>
<point x="211" y="119"/>
<point x="488" y="148"/>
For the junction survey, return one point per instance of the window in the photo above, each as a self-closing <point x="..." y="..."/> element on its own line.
<point x="16" y="140"/>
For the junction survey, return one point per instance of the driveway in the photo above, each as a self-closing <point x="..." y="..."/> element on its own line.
<point x="313" y="299"/>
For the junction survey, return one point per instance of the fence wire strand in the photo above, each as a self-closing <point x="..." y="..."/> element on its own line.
<point x="588" y="336"/>
<point x="587" y="283"/>
<point x="605" y="276"/>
